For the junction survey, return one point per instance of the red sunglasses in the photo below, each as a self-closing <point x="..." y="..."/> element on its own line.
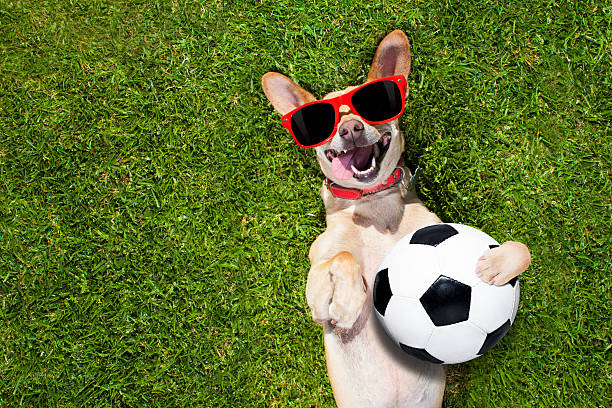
<point x="376" y="102"/>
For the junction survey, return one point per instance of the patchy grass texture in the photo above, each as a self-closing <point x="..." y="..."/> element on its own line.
<point x="155" y="218"/>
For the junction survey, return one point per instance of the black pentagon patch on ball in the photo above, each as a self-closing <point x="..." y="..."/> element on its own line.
<point x="494" y="337"/>
<point x="447" y="301"/>
<point x="421" y="354"/>
<point x="433" y="235"/>
<point x="493" y="246"/>
<point x="382" y="291"/>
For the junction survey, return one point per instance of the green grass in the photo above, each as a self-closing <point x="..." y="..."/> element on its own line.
<point x="155" y="218"/>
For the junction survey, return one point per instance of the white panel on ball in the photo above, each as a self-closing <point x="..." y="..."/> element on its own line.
<point x="475" y="234"/>
<point x="456" y="343"/>
<point x="413" y="270"/>
<point x="407" y="322"/>
<point x="458" y="255"/>
<point x="491" y="305"/>
<point x="517" y="298"/>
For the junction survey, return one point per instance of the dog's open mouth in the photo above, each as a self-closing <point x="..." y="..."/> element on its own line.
<point x="360" y="162"/>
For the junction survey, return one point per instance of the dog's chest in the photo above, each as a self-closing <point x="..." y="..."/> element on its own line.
<point x="375" y="248"/>
<point x="376" y="242"/>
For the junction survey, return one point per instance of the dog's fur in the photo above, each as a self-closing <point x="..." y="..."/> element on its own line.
<point x="365" y="368"/>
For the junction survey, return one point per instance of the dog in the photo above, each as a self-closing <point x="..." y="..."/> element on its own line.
<point x="369" y="207"/>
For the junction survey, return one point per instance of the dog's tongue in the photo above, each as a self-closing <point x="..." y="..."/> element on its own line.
<point x="358" y="157"/>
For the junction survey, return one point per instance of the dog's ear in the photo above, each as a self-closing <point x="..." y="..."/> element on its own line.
<point x="392" y="57"/>
<point x="284" y="94"/>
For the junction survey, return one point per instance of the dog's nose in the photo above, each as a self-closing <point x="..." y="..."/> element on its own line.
<point x="351" y="130"/>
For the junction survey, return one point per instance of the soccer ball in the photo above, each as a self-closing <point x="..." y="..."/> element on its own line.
<point x="432" y="304"/>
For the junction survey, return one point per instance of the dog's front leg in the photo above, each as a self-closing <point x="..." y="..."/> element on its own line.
<point x="335" y="290"/>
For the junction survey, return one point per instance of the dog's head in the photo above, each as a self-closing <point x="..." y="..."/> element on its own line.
<point x="358" y="155"/>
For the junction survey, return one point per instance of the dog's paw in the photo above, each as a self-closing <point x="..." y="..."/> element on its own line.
<point x="319" y="292"/>
<point x="335" y="291"/>
<point x="349" y="290"/>
<point x="499" y="265"/>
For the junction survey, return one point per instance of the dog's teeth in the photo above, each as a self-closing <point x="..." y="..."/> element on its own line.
<point x="359" y="172"/>
<point x="365" y="172"/>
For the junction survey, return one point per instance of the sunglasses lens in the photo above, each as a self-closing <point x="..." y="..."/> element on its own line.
<point x="378" y="101"/>
<point x="313" y="123"/>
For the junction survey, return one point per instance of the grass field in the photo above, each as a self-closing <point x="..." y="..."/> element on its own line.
<point x="155" y="217"/>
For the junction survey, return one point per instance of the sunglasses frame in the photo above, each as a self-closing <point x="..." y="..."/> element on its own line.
<point x="345" y="99"/>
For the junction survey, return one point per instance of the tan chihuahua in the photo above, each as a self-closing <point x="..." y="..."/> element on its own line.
<point x="369" y="208"/>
